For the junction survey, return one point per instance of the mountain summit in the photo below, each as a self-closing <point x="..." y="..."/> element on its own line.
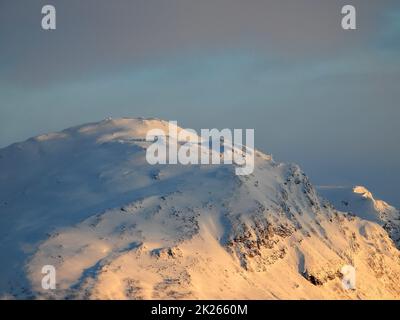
<point x="114" y="227"/>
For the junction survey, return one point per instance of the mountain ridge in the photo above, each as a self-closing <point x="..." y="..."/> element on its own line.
<point x="115" y="227"/>
<point x="358" y="200"/>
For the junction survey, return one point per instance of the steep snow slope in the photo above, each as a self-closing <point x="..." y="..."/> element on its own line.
<point x="86" y="201"/>
<point x="360" y="202"/>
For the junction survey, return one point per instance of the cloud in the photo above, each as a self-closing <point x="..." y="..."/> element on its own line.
<point x="95" y="36"/>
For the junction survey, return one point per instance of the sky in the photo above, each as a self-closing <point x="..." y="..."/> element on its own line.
<point x="316" y="95"/>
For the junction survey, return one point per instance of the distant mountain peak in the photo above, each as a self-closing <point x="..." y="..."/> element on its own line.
<point x="361" y="202"/>
<point x="363" y="191"/>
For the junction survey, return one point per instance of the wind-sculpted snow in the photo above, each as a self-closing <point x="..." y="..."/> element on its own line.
<point x="359" y="201"/>
<point x="86" y="201"/>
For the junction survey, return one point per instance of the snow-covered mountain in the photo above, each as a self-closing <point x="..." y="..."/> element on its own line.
<point x="359" y="201"/>
<point x="86" y="201"/>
